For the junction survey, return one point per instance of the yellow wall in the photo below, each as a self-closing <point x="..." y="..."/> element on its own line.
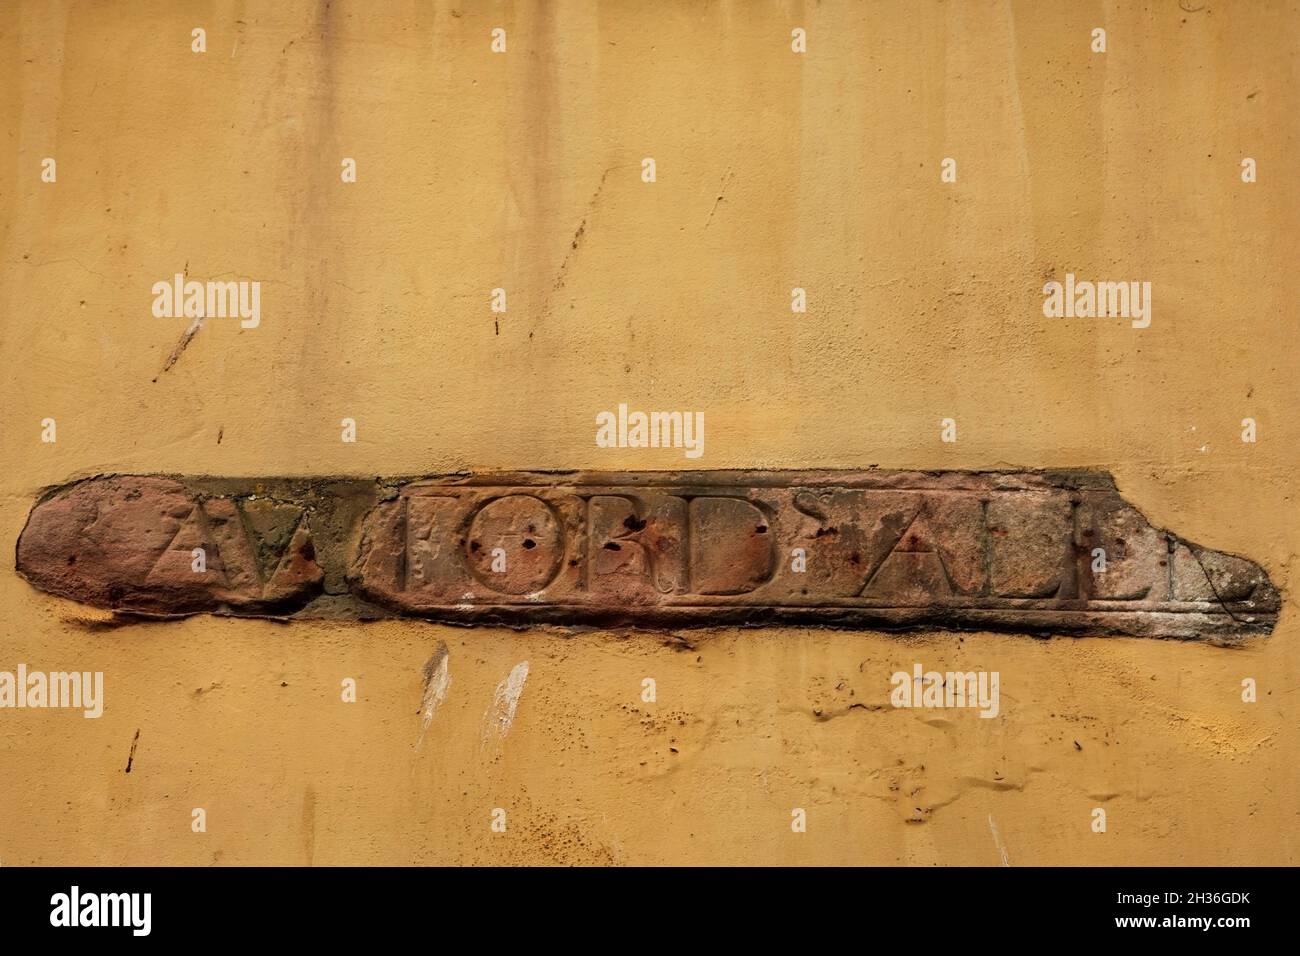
<point x="522" y="170"/>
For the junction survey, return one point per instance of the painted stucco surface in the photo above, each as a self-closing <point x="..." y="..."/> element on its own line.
<point x="775" y="170"/>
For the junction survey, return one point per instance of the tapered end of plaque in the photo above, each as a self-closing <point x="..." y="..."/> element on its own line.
<point x="153" y="546"/>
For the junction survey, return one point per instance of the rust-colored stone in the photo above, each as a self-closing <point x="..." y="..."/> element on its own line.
<point x="1017" y="551"/>
<point x="150" y="545"/>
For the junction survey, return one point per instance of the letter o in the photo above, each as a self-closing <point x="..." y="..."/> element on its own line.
<point x="530" y="533"/>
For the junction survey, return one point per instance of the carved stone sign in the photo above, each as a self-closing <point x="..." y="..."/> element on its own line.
<point x="1014" y="551"/>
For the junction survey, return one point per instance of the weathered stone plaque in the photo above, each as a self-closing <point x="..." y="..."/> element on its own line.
<point x="1035" y="552"/>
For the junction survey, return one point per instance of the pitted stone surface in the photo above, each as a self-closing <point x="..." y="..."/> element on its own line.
<point x="1012" y="551"/>
<point x="151" y="545"/>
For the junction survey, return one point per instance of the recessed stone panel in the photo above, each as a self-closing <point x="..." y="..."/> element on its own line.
<point x="1032" y="552"/>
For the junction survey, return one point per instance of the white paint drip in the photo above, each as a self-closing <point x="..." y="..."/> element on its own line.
<point x="505" y="700"/>
<point x="437" y="678"/>
<point x="998" y="840"/>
